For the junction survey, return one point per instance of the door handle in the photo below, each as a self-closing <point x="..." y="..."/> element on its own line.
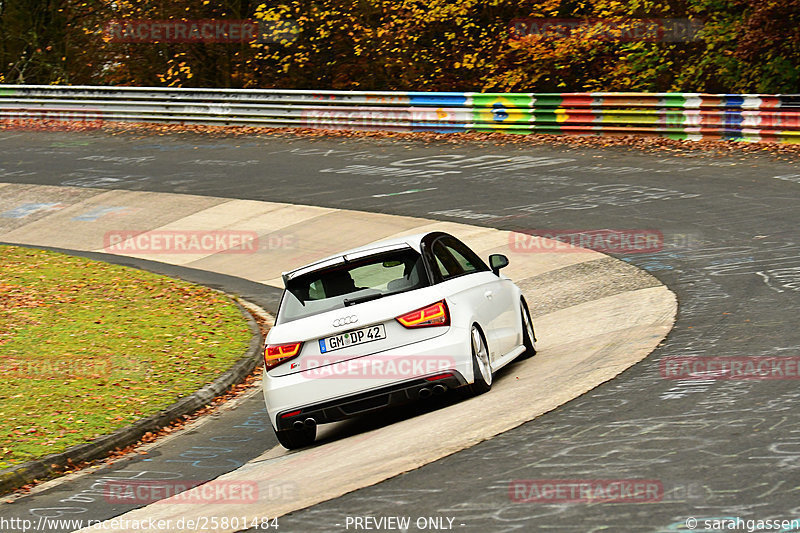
<point x="488" y="295"/>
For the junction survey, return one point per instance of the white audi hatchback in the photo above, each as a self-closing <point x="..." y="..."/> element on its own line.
<point x="386" y="324"/>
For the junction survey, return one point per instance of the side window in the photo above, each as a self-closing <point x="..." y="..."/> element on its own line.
<point x="447" y="265"/>
<point x="465" y="263"/>
<point x="466" y="258"/>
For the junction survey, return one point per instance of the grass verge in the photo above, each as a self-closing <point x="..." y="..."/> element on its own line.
<point x="88" y="347"/>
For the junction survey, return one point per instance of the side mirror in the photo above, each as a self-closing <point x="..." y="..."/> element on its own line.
<point x="497" y="261"/>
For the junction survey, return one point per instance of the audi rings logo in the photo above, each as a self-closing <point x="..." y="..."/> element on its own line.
<point x="352" y="319"/>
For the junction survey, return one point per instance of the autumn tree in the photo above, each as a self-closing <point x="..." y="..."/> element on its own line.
<point x="769" y="46"/>
<point x="424" y="45"/>
<point x="181" y="64"/>
<point x="51" y="41"/>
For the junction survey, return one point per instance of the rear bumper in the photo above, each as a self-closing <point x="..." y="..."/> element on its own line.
<point x="337" y="392"/>
<point x="368" y="401"/>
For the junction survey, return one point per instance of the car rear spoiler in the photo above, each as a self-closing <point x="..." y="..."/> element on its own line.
<point x="333" y="261"/>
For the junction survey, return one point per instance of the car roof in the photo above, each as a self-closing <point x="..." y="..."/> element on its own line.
<point x="411" y="241"/>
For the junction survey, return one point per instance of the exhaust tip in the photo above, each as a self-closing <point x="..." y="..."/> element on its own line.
<point x="439" y="389"/>
<point x="424" y="393"/>
<point x="298" y="425"/>
<point x="310" y="423"/>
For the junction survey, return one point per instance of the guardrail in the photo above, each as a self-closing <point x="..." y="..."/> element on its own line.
<point x="691" y="116"/>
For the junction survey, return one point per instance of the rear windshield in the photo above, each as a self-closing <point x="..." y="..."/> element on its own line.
<point x="352" y="283"/>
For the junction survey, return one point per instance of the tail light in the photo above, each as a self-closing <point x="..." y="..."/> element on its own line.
<point x="276" y="354"/>
<point x="432" y="315"/>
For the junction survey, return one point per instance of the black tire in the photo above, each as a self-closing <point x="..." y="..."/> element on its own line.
<point x="480" y="363"/>
<point x="292" y="439"/>
<point x="528" y="334"/>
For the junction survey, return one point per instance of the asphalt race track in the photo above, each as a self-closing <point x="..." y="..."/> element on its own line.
<point x="618" y="315"/>
<point x="717" y="447"/>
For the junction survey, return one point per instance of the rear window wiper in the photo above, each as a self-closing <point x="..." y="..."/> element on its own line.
<point x="361" y="299"/>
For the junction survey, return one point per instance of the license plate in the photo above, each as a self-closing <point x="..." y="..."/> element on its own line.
<point x="352" y="338"/>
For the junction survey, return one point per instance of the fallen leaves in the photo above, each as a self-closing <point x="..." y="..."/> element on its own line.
<point x="636" y="142"/>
